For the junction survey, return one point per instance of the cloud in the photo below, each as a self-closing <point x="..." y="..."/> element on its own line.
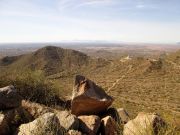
<point x="145" y="6"/>
<point x="96" y="2"/>
<point x="63" y="4"/>
<point x="140" y="6"/>
<point x="40" y="20"/>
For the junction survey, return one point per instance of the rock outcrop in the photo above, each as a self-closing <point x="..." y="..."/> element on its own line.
<point x="9" y="98"/>
<point x="88" y="98"/>
<point x="46" y="124"/>
<point x="12" y="114"/>
<point x="89" y="124"/>
<point x="66" y="119"/>
<point x="90" y="114"/>
<point x="144" y="124"/>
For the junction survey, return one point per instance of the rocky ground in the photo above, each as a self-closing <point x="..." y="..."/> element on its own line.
<point x="89" y="113"/>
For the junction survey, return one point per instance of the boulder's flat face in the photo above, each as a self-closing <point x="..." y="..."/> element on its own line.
<point x="47" y="124"/>
<point x="67" y="120"/>
<point x="9" y="98"/>
<point x="88" y="98"/>
<point x="144" y="124"/>
<point x="89" y="124"/>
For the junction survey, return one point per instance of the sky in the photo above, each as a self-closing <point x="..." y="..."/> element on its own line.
<point x="146" y="21"/>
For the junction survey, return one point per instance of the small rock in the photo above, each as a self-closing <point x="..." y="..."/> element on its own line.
<point x="89" y="124"/>
<point x="74" y="132"/>
<point x="108" y="126"/>
<point x="47" y="124"/>
<point x="9" y="98"/>
<point x="144" y="124"/>
<point x="124" y="116"/>
<point x="88" y="98"/>
<point x="67" y="120"/>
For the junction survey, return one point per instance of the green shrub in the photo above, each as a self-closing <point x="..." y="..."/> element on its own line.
<point x="32" y="85"/>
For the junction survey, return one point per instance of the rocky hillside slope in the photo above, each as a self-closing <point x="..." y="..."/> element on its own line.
<point x="91" y="114"/>
<point x="137" y="84"/>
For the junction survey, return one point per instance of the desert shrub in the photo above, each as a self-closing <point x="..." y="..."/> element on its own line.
<point x="32" y="85"/>
<point x="140" y="58"/>
<point x="169" y="129"/>
<point x="155" y="65"/>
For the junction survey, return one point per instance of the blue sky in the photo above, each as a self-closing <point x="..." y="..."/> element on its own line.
<point x="152" y="21"/>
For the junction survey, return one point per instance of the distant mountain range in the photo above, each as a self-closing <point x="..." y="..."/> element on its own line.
<point x="52" y="59"/>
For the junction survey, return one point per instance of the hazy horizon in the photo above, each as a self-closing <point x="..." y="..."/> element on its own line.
<point x="132" y="21"/>
<point x="91" y="42"/>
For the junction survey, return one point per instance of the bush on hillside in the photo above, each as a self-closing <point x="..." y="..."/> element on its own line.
<point x="33" y="86"/>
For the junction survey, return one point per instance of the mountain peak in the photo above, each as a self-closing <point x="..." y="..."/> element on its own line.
<point x="51" y="59"/>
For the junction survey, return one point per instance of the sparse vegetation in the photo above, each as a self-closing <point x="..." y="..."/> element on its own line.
<point x="33" y="86"/>
<point x="140" y="89"/>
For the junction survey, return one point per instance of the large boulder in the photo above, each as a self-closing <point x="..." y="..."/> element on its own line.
<point x="124" y="116"/>
<point x="89" y="124"/>
<point x="144" y="124"/>
<point x="9" y="98"/>
<point x="4" y="127"/>
<point x="88" y="98"/>
<point x="109" y="126"/>
<point x="67" y="120"/>
<point x="46" y="124"/>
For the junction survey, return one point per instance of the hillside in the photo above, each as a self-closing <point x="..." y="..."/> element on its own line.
<point x="50" y="59"/>
<point x="174" y="57"/>
<point x="137" y="84"/>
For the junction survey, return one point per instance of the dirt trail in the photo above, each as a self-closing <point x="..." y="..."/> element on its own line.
<point x="119" y="79"/>
<point x="115" y="83"/>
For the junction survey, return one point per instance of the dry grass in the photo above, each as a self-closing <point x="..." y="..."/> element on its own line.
<point x="33" y="86"/>
<point x="141" y="86"/>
